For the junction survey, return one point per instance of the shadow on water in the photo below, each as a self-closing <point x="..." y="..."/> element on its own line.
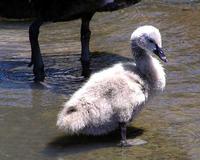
<point x="12" y="70"/>
<point x="62" y="72"/>
<point x="102" y="60"/>
<point x="81" y="143"/>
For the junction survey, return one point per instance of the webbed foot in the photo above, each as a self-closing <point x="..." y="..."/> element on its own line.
<point x="124" y="143"/>
<point x="131" y="142"/>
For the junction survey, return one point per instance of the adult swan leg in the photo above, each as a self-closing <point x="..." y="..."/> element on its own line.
<point x="36" y="57"/>
<point x="85" y="40"/>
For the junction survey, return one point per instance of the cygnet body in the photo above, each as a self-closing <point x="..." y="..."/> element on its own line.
<point x="113" y="97"/>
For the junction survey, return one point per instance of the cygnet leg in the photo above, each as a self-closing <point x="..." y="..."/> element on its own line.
<point x="123" y="141"/>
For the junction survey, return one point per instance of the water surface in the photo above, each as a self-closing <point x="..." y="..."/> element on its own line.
<point x="28" y="111"/>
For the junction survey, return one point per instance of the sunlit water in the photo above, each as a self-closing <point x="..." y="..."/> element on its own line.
<point x="28" y="111"/>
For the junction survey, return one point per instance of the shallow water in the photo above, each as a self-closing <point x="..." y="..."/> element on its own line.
<point x="170" y="123"/>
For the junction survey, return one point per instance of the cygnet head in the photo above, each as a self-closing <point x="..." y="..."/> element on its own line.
<point x="147" y="38"/>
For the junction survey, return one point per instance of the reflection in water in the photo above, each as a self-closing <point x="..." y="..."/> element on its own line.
<point x="28" y="111"/>
<point x="68" y="145"/>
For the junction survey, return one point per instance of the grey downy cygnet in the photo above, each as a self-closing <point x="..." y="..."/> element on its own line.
<point x="114" y="96"/>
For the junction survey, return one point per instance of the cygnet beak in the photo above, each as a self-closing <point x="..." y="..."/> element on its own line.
<point x="159" y="52"/>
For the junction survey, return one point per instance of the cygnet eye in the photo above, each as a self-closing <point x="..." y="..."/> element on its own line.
<point x="151" y="40"/>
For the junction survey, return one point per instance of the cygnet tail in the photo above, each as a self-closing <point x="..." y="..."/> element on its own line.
<point x="72" y="120"/>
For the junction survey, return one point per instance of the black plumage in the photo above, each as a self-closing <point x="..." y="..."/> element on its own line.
<point x="55" y="11"/>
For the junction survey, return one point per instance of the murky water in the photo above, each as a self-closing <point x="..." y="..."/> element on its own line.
<point x="170" y="124"/>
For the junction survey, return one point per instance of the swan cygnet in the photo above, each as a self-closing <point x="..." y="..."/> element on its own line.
<point x="113" y="97"/>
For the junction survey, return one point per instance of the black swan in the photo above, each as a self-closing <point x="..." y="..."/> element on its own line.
<point x="57" y="11"/>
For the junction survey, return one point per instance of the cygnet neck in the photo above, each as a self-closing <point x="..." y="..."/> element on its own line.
<point x="150" y="68"/>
